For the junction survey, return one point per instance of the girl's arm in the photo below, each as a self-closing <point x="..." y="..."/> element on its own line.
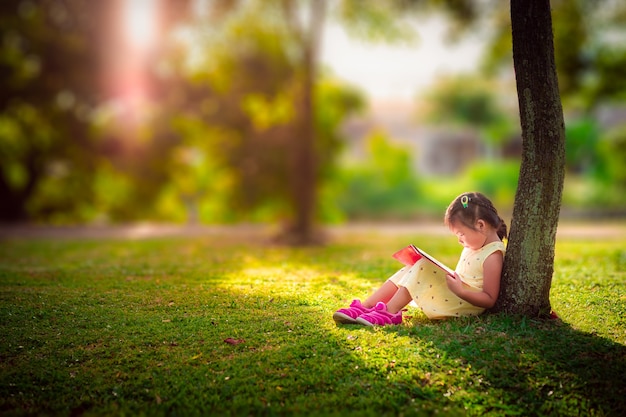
<point x="492" y="271"/>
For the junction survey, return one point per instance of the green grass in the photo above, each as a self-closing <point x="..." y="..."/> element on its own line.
<point x="138" y="327"/>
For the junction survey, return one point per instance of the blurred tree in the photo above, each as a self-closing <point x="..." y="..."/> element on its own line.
<point x="304" y="156"/>
<point x="207" y="167"/>
<point x="45" y="105"/>
<point x="529" y="262"/>
<point x="262" y="104"/>
<point x="62" y="65"/>
<point x="305" y="25"/>
<point x="244" y="93"/>
<point x="589" y="48"/>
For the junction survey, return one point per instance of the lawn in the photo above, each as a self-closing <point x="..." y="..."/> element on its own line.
<point x="220" y="325"/>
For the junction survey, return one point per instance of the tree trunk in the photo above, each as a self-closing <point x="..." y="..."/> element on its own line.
<point x="304" y="162"/>
<point x="529" y="261"/>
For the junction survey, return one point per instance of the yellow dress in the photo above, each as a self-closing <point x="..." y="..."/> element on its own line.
<point x="427" y="283"/>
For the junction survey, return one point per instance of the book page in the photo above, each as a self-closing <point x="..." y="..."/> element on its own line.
<point x="433" y="260"/>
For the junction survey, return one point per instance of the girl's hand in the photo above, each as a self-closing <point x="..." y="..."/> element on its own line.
<point x="454" y="283"/>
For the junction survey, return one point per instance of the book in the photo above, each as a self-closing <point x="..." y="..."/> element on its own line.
<point x="411" y="254"/>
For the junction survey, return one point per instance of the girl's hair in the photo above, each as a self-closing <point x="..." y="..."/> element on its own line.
<point x="468" y="208"/>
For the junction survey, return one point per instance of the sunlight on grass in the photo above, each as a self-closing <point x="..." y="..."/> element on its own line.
<point x="215" y="326"/>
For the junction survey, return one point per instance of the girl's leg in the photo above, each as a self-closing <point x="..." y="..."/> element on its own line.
<point x="400" y="299"/>
<point x="385" y="293"/>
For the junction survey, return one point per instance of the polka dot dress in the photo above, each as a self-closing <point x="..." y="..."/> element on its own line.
<point x="427" y="284"/>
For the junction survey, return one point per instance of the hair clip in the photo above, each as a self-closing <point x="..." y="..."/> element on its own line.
<point x="464" y="201"/>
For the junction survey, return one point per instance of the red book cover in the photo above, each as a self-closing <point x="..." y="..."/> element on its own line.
<point x="408" y="255"/>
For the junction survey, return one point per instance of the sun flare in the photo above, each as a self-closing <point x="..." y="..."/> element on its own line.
<point x="140" y="22"/>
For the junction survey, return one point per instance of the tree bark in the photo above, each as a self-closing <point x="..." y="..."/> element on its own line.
<point x="529" y="261"/>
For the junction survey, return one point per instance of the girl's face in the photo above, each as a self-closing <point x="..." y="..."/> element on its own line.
<point x="473" y="239"/>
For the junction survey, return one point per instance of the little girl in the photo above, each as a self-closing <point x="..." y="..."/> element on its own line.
<point x="473" y="288"/>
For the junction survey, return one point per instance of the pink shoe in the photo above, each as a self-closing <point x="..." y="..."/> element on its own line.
<point x="349" y="315"/>
<point x="379" y="316"/>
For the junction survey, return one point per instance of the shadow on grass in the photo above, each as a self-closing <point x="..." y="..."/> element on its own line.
<point x="531" y="367"/>
<point x="297" y="361"/>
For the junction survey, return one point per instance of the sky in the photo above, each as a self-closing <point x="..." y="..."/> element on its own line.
<point x="398" y="72"/>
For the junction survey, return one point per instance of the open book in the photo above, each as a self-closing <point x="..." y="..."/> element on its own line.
<point x="411" y="254"/>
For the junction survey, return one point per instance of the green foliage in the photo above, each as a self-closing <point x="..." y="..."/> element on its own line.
<point x="571" y="33"/>
<point x="46" y="149"/>
<point x="335" y="102"/>
<point x="246" y="52"/>
<point x="216" y="325"/>
<point x="588" y="39"/>
<point x="613" y="151"/>
<point x="248" y="109"/>
<point x="384" y="184"/>
<point x="112" y="193"/>
<point x="463" y="100"/>
<point x="226" y="158"/>
<point x="374" y="20"/>
<point x="40" y="170"/>
<point x="608" y="84"/>
<point x="199" y="187"/>
<point x="57" y="92"/>
<point x="582" y="145"/>
<point x="265" y="113"/>
<point x="498" y="180"/>
<point x="596" y="179"/>
<point x="19" y="141"/>
<point x="472" y="103"/>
